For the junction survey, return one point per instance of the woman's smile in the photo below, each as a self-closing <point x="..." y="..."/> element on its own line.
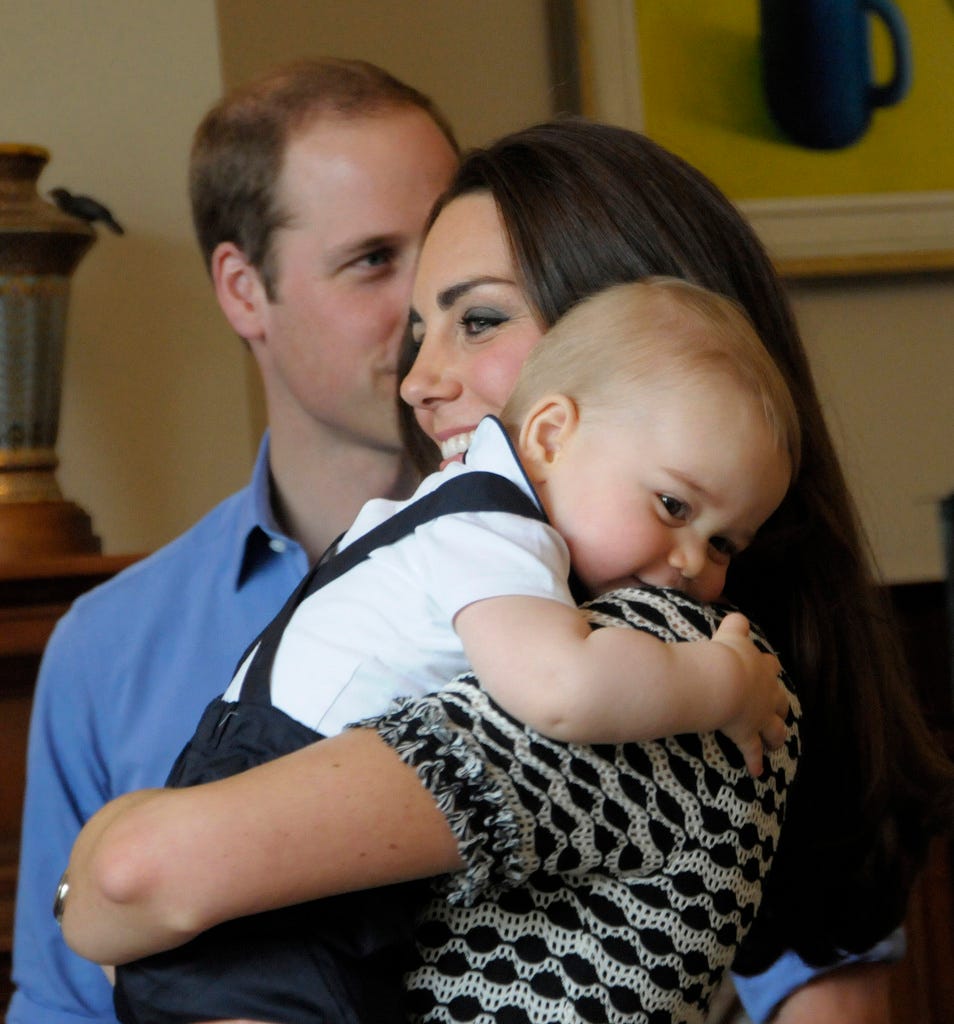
<point x="455" y="446"/>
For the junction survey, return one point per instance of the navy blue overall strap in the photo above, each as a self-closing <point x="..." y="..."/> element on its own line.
<point x="477" y="491"/>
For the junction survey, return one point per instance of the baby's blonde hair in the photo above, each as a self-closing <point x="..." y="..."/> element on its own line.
<point x="656" y="328"/>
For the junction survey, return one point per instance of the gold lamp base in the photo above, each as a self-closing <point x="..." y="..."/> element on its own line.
<point x="39" y="249"/>
<point x="36" y="522"/>
<point x="40" y="530"/>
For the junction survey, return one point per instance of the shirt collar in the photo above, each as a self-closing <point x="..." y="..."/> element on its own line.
<point x="492" y="448"/>
<point x="258" y="532"/>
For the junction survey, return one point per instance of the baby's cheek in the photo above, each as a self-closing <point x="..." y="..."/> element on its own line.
<point x="710" y="586"/>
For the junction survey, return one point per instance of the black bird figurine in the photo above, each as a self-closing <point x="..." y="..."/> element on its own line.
<point x="85" y="208"/>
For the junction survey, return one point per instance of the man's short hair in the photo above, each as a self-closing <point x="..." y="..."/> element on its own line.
<point x="239" y="147"/>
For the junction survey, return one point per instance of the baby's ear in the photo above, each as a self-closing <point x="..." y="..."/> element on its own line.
<point x="547" y="428"/>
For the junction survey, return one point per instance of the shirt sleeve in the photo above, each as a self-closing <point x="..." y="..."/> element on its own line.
<point x="762" y="993"/>
<point x="475" y="555"/>
<point x="66" y="782"/>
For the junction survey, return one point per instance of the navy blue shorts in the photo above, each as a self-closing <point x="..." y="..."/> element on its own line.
<point x="339" y="960"/>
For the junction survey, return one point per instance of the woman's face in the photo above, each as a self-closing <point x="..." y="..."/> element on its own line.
<point x="471" y="322"/>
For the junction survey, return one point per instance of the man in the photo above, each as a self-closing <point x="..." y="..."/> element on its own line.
<point x="310" y="189"/>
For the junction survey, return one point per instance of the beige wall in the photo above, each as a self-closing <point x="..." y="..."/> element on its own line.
<point x="154" y="429"/>
<point x="883" y="353"/>
<point x="157" y="422"/>
<point x="483" y="61"/>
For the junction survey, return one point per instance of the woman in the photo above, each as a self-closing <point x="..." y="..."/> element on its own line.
<point x="581" y="206"/>
<point x="585" y="205"/>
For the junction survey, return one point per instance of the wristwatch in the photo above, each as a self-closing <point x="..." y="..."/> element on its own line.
<point x="59" y="901"/>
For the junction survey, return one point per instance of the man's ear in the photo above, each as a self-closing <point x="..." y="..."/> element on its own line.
<point x="546" y="430"/>
<point x="240" y="291"/>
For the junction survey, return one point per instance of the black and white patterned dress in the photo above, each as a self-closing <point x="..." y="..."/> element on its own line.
<point x="604" y="884"/>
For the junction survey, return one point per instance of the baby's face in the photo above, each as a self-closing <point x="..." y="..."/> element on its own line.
<point x="668" y="490"/>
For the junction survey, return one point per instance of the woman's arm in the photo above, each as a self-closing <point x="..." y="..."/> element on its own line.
<point x="153" y="869"/>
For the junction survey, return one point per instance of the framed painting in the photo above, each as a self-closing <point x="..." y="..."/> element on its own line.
<point x="878" y="198"/>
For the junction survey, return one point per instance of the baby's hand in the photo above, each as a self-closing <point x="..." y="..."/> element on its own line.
<point x="762" y="703"/>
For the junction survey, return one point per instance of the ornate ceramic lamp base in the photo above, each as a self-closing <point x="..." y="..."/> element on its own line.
<point x="39" y="248"/>
<point x="36" y="523"/>
<point x="40" y="530"/>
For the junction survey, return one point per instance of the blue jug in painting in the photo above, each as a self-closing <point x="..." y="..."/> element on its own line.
<point x="817" y="69"/>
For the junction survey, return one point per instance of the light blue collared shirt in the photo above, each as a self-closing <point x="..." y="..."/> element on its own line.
<point x="762" y="993"/>
<point x="126" y="675"/>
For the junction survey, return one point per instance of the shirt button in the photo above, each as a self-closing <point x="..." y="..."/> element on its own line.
<point x="278" y="545"/>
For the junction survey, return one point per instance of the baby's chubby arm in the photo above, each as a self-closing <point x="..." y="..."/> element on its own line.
<point x="543" y="664"/>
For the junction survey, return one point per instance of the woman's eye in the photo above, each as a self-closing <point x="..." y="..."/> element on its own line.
<point x="674" y="507"/>
<point x="476" y="321"/>
<point x="414" y="332"/>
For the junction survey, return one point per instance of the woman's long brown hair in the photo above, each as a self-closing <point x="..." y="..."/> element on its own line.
<point x="588" y="205"/>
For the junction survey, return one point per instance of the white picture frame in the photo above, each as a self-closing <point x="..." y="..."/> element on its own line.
<point x="894" y="232"/>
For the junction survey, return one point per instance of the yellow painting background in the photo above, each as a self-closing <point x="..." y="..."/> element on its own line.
<point x="702" y="98"/>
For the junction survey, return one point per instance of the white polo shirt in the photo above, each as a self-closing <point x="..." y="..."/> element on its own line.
<point x="384" y="629"/>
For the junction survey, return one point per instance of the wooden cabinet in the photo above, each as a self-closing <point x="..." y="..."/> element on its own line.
<point x="922" y="984"/>
<point x="32" y="597"/>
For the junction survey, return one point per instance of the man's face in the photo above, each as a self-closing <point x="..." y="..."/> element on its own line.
<point x="357" y="194"/>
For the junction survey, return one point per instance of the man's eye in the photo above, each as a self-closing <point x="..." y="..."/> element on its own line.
<point x="415" y="333"/>
<point x="378" y="258"/>
<point x="674" y="507"/>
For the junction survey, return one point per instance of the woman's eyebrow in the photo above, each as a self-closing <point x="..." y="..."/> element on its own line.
<point x="449" y="296"/>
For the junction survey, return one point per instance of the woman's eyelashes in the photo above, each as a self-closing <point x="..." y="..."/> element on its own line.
<point x="415" y="329"/>
<point x="475" y="322"/>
